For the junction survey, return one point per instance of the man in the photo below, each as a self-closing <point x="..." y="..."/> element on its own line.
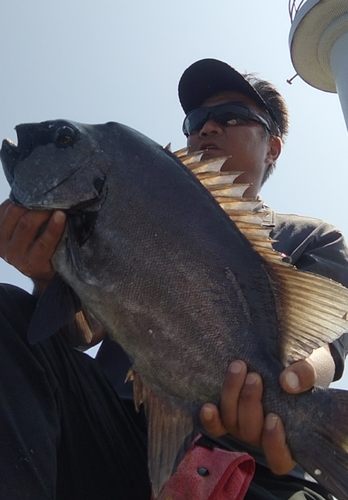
<point x="26" y="245"/>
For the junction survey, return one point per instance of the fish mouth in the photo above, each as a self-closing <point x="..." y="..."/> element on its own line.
<point x="62" y="133"/>
<point x="9" y="155"/>
<point x="11" y="152"/>
<point x="8" y="144"/>
<point x="93" y="205"/>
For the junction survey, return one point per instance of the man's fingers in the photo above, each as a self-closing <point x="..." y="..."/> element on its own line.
<point x="241" y="415"/>
<point x="274" y="445"/>
<point x="38" y="257"/>
<point x="4" y="206"/>
<point x="211" y="421"/>
<point x="298" y="377"/>
<point x="43" y="247"/>
<point x="250" y="411"/>
<point x="234" y="381"/>
<point x="219" y="423"/>
<point x="241" y="411"/>
<point x="27" y="228"/>
<point x="20" y="230"/>
<point x="28" y="239"/>
<point x="10" y="214"/>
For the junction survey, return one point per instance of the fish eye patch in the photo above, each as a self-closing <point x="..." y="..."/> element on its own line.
<point x="65" y="136"/>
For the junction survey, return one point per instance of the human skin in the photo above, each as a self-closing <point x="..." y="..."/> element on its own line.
<point x="249" y="149"/>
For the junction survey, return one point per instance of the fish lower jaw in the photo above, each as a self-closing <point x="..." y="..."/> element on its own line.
<point x="43" y="205"/>
<point x="9" y="143"/>
<point x="38" y="201"/>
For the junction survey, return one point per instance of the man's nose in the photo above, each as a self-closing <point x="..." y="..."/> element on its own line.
<point x="211" y="127"/>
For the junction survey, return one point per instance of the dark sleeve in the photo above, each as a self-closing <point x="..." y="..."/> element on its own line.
<point x="64" y="433"/>
<point x="320" y="248"/>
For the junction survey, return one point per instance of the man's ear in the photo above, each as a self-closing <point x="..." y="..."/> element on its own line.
<point x="274" y="149"/>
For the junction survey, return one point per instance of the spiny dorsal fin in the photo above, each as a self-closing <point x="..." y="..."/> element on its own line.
<point x="312" y="309"/>
<point x="193" y="158"/>
<point x="209" y="166"/>
<point x="181" y="153"/>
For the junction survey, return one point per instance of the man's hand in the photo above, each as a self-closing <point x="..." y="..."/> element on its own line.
<point x="241" y="412"/>
<point x="28" y="239"/>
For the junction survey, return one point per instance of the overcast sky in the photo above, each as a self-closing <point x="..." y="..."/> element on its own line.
<point x="94" y="61"/>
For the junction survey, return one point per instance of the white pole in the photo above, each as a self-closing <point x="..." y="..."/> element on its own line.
<point x="319" y="46"/>
<point x="339" y="66"/>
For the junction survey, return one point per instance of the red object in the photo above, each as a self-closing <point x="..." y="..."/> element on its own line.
<point x="210" y="474"/>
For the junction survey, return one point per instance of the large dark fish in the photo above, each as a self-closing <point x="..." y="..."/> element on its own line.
<point x="160" y="263"/>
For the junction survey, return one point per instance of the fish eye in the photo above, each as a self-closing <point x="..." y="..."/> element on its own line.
<point x="64" y="136"/>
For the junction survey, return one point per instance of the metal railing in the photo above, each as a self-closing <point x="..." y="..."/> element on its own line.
<point x="294" y="6"/>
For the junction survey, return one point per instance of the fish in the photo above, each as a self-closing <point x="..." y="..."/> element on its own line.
<point x="168" y="256"/>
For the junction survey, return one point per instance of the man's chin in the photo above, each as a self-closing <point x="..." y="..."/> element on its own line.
<point x="212" y="153"/>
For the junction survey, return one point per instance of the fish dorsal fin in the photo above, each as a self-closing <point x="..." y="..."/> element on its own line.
<point x="182" y="153"/>
<point x="312" y="309"/>
<point x="170" y="432"/>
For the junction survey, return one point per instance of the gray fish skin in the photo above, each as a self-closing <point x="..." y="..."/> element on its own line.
<point x="169" y="275"/>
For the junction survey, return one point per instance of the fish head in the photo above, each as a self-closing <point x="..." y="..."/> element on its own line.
<point x="53" y="163"/>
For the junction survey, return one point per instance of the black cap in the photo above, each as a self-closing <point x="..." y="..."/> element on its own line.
<point x="208" y="77"/>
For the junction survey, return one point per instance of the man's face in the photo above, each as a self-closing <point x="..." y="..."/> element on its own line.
<point x="250" y="147"/>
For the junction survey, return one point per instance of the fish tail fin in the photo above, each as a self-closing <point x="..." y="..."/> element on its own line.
<point x="325" y="455"/>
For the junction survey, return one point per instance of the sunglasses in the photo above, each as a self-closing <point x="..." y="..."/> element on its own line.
<point x="223" y="114"/>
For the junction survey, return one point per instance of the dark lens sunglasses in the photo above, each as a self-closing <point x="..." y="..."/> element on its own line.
<point x="223" y="114"/>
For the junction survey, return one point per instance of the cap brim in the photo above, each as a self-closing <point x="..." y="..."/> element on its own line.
<point x="208" y="77"/>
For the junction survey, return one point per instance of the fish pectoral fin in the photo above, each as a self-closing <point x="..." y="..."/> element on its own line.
<point x="56" y="307"/>
<point x="313" y="310"/>
<point x="170" y="432"/>
<point x="81" y="225"/>
<point x="80" y="228"/>
<point x="83" y="327"/>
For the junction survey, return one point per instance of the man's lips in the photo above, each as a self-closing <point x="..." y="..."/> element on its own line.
<point x="210" y="150"/>
<point x="208" y="145"/>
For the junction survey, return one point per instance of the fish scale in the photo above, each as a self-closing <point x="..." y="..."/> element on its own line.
<point x="177" y="266"/>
